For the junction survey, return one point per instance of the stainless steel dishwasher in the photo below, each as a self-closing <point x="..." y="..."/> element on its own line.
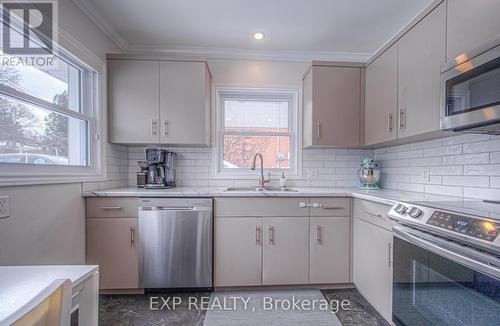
<point x="175" y="243"/>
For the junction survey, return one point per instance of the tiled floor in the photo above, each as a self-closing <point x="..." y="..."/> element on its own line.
<point x="118" y="310"/>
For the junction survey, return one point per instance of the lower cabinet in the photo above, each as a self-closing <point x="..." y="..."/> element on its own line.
<point x="238" y="251"/>
<point x="372" y="265"/>
<point x="285" y="258"/>
<point x="112" y="244"/>
<point x="329" y="252"/>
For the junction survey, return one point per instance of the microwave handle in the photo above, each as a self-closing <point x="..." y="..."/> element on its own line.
<point x="474" y="259"/>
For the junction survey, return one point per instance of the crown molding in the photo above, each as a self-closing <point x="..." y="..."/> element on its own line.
<point x="249" y="54"/>
<point x="89" y="9"/>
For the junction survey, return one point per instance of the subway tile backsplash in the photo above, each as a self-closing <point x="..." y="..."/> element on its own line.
<point x="320" y="168"/>
<point x="463" y="165"/>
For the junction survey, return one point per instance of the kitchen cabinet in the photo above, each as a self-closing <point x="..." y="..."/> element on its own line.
<point x="184" y="103"/>
<point x="329" y="252"/>
<point x="381" y="98"/>
<point x="420" y="57"/>
<point x="332" y="106"/>
<point x="273" y="241"/>
<point x="133" y="98"/>
<point x="470" y="24"/>
<point x="285" y="257"/>
<point x="238" y="251"/>
<point x="159" y="102"/>
<point x="372" y="255"/>
<point x="112" y="244"/>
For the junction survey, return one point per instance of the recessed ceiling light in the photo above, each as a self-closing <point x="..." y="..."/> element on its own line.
<point x="258" y="36"/>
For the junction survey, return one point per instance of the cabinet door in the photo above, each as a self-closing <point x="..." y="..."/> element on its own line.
<point x="372" y="265"/>
<point x="286" y="251"/>
<point x="470" y="24"/>
<point x="112" y="244"/>
<point x="381" y="98"/>
<point x="133" y="98"/>
<point x="184" y="103"/>
<point x="336" y="106"/>
<point x="238" y="251"/>
<point x="329" y="250"/>
<point x="421" y="55"/>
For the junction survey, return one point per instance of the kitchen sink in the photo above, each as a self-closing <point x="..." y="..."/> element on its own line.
<point x="256" y="189"/>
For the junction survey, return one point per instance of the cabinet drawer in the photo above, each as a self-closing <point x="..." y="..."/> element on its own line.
<point x="374" y="213"/>
<point x="250" y="206"/>
<point x="112" y="207"/>
<point x="330" y="206"/>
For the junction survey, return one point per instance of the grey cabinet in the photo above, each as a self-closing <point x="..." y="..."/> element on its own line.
<point x="421" y="55"/>
<point x="152" y="102"/>
<point x="133" y="101"/>
<point x="332" y="106"/>
<point x="184" y="103"/>
<point x="470" y="24"/>
<point x="381" y="98"/>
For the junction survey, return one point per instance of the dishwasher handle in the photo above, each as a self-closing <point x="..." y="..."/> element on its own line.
<point x="173" y="208"/>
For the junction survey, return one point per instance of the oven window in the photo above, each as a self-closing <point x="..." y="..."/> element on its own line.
<point x="475" y="89"/>
<point x="431" y="290"/>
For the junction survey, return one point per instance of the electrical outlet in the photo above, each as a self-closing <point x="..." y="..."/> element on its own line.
<point x="4" y="206"/>
<point x="426" y="175"/>
<point x="312" y="173"/>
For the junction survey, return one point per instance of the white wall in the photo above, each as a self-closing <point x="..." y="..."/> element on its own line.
<point x="47" y="222"/>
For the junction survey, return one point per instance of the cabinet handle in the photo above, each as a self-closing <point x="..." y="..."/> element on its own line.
<point x="318" y="234"/>
<point x="389" y="120"/>
<point x="319" y="205"/>
<point x="402" y="118"/>
<point x="132" y="236"/>
<point x="154" y="127"/>
<point x="111" y="208"/>
<point x="257" y="235"/>
<point x="271" y="235"/>
<point x="373" y="214"/>
<point x="165" y="125"/>
<point x="389" y="254"/>
<point x="318" y="129"/>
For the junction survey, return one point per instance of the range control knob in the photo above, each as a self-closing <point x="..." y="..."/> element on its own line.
<point x="415" y="212"/>
<point x="400" y="208"/>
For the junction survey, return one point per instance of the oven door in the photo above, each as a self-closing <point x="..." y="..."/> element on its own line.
<point x="471" y="92"/>
<point x="438" y="282"/>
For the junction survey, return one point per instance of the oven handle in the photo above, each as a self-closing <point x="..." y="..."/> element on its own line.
<point x="448" y="252"/>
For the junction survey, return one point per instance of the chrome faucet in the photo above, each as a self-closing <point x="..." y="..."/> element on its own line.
<point x="262" y="180"/>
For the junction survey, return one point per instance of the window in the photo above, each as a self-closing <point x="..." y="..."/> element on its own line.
<point x="256" y="121"/>
<point x="49" y="123"/>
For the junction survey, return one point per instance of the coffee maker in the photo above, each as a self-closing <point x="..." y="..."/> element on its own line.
<point x="160" y="172"/>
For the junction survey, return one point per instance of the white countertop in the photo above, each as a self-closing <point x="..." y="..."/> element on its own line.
<point x="21" y="285"/>
<point x="384" y="196"/>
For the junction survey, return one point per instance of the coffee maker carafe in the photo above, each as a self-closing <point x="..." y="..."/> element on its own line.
<point x="161" y="168"/>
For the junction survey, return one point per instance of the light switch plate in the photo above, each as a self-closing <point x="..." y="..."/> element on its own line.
<point x="4" y="206"/>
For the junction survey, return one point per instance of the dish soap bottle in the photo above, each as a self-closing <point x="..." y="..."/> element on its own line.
<point x="283" y="181"/>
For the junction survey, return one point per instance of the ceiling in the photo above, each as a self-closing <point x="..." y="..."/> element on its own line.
<point x="319" y="29"/>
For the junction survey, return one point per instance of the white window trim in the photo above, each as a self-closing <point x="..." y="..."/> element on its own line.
<point x="22" y="174"/>
<point x="220" y="92"/>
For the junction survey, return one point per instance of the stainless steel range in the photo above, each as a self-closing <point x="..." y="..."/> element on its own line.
<point x="446" y="263"/>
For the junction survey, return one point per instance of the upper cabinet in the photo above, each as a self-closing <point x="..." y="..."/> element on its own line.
<point x="420" y="57"/>
<point x="165" y="102"/>
<point x="133" y="101"/>
<point x="470" y="24"/>
<point x="381" y="98"/>
<point x="403" y="83"/>
<point x="332" y="106"/>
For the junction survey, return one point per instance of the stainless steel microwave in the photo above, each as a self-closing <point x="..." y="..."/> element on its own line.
<point x="470" y="100"/>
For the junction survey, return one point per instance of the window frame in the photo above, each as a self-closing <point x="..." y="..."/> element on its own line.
<point x="91" y="83"/>
<point x="290" y="95"/>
